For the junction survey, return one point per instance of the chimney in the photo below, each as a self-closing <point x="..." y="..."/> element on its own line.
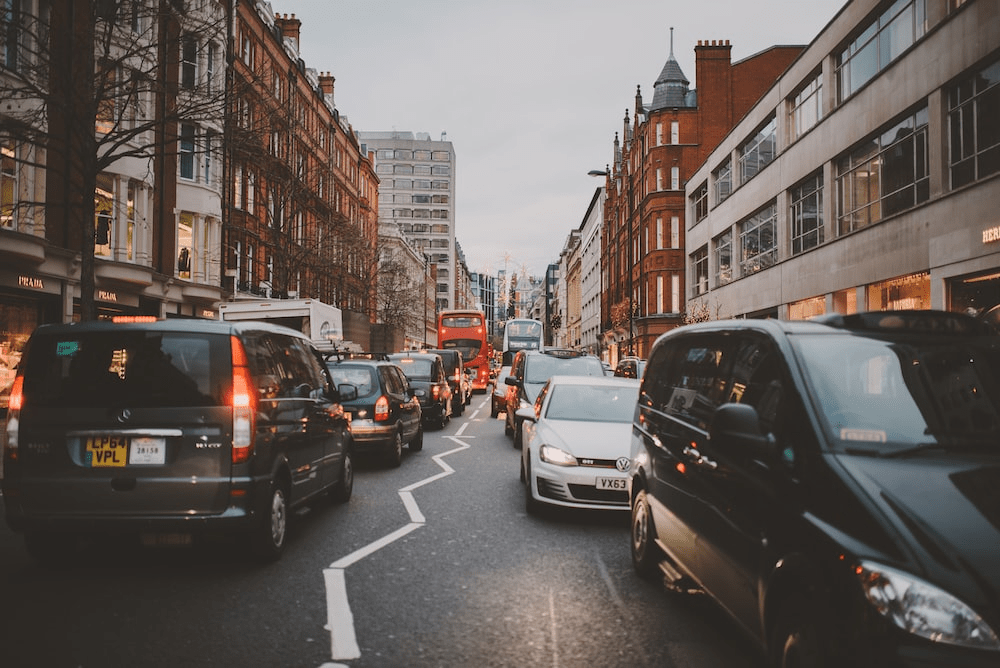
<point x="290" y="28"/>
<point x="326" y="83"/>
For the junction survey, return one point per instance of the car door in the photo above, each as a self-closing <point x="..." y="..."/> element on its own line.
<point x="679" y="400"/>
<point x="328" y="425"/>
<point x="407" y="407"/>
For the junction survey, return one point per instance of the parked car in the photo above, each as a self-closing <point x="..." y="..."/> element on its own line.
<point x="630" y="367"/>
<point x="576" y="443"/>
<point x="458" y="379"/>
<point x="498" y="401"/>
<point x="170" y="428"/>
<point x="425" y="371"/>
<point x="530" y="370"/>
<point x="832" y="484"/>
<point x="386" y="414"/>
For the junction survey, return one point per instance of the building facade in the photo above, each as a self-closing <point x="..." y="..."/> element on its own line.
<point x="302" y="205"/>
<point x="590" y="275"/>
<point x="417" y="193"/>
<point x="660" y="146"/>
<point x="867" y="176"/>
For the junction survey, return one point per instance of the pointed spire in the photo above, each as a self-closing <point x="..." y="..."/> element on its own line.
<point x="671" y="87"/>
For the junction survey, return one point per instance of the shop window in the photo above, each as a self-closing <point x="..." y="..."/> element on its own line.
<point x="104" y="215"/>
<point x="896" y="294"/>
<point x="807" y="308"/>
<point x="185" y="244"/>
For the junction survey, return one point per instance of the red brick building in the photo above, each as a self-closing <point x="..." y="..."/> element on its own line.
<point x="303" y="201"/>
<point x="661" y="145"/>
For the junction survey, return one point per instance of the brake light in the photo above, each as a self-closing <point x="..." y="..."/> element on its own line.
<point x="436" y="391"/>
<point x="382" y="409"/>
<point x="458" y="377"/>
<point x="14" y="404"/>
<point x="243" y="401"/>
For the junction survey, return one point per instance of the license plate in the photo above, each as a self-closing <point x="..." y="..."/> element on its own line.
<point x="612" y="483"/>
<point x="118" y="451"/>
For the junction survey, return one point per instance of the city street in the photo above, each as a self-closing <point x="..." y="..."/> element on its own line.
<point x="431" y="564"/>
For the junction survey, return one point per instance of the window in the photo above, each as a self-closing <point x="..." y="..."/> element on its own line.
<point x="422" y="170"/>
<point x="675" y="293"/>
<point x="133" y="191"/>
<point x="441" y="170"/>
<point x="186" y="151"/>
<point x="213" y="53"/>
<point x="659" y="178"/>
<point x="247" y="48"/>
<point x="757" y="151"/>
<point x="880" y="43"/>
<point x="884" y="175"/>
<point x="189" y="62"/>
<point x="384" y="154"/>
<point x="659" y="134"/>
<point x="675" y="132"/>
<point x="8" y="183"/>
<point x="758" y="241"/>
<point x="675" y="232"/>
<point x="207" y="173"/>
<point x="807" y="214"/>
<point x="10" y="39"/>
<point x="699" y="262"/>
<point x="723" y="177"/>
<point x="974" y="135"/>
<point x="185" y="242"/>
<point x="403" y="154"/>
<point x="807" y="106"/>
<point x="700" y="200"/>
<point x="402" y="169"/>
<point x="441" y="155"/>
<point x="104" y="215"/>
<point x="724" y="258"/>
<point x="675" y="178"/>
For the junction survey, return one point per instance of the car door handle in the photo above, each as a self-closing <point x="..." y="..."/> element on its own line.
<point x="699" y="459"/>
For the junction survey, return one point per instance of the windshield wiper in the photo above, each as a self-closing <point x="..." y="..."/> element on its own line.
<point x="986" y="440"/>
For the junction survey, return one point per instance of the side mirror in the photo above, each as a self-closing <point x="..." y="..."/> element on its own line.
<point x="526" y="413"/>
<point x="735" y="431"/>
<point x="510" y="380"/>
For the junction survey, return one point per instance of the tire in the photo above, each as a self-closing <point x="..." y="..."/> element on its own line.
<point x="341" y="492"/>
<point x="518" y="434"/>
<point x="271" y="528"/>
<point x="494" y="411"/>
<point x="507" y="429"/>
<point x="531" y="505"/>
<point x="417" y="444"/>
<point x="645" y="553"/>
<point x="797" y="638"/>
<point x="461" y="408"/>
<point x="394" y="455"/>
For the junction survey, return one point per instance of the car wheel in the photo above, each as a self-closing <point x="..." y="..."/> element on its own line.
<point x="797" y="640"/>
<point x="268" y="538"/>
<point x="518" y="434"/>
<point x="49" y="549"/>
<point x="417" y="444"/>
<point x="508" y="430"/>
<point x="645" y="553"/>
<point x="341" y="492"/>
<point x="394" y="456"/>
<point x="522" y="469"/>
<point x="461" y="407"/>
<point x="531" y="505"/>
<point x="494" y="411"/>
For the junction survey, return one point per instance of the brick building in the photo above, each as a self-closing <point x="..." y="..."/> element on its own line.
<point x="660" y="146"/>
<point x="303" y="199"/>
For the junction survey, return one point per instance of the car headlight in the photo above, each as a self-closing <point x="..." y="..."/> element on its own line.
<point x="924" y="610"/>
<point x="557" y="456"/>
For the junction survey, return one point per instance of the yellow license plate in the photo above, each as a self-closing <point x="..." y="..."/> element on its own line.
<point x="107" y="451"/>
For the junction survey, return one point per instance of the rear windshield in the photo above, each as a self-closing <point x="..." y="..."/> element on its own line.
<point x="469" y="348"/>
<point x="415" y="368"/>
<point x="361" y="377"/>
<point x="127" y="368"/>
<point x="539" y="368"/>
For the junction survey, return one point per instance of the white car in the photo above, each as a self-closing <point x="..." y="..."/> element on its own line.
<point x="575" y="450"/>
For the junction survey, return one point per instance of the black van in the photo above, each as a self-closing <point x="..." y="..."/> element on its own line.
<point x="832" y="484"/>
<point x="168" y="428"/>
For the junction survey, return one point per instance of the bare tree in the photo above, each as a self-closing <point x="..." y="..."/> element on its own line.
<point x="400" y="292"/>
<point x="94" y="83"/>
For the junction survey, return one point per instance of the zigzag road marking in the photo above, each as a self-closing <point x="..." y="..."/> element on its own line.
<point x="339" y="619"/>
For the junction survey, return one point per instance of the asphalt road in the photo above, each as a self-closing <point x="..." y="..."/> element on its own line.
<point x="431" y="564"/>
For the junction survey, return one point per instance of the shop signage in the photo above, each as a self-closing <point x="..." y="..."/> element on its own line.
<point x="30" y="282"/>
<point x="107" y="296"/>
<point x="207" y="313"/>
<point x="991" y="234"/>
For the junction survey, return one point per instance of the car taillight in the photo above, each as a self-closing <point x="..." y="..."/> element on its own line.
<point x="436" y="392"/>
<point x="458" y="377"/>
<point x="382" y="409"/>
<point x="243" y="402"/>
<point x="14" y="404"/>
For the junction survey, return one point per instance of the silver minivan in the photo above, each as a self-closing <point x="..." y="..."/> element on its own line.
<point x="169" y="428"/>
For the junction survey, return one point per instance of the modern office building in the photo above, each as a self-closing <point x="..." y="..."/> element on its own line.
<point x="417" y="193"/>
<point x="866" y="178"/>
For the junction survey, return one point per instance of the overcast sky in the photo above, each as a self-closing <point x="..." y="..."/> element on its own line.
<point x="529" y="92"/>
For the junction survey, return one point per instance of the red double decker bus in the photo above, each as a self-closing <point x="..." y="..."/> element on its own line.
<point x="465" y="331"/>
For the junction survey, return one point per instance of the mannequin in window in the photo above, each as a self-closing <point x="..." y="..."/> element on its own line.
<point x="184" y="261"/>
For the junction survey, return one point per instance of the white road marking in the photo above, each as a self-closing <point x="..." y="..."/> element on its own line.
<point x="339" y="618"/>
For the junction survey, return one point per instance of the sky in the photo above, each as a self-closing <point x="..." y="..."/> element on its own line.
<point x="529" y="92"/>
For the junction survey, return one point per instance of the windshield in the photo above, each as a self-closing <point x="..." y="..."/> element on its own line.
<point x="469" y="348"/>
<point x="881" y="395"/>
<point x="589" y="403"/>
<point x="415" y="369"/>
<point x="361" y="377"/>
